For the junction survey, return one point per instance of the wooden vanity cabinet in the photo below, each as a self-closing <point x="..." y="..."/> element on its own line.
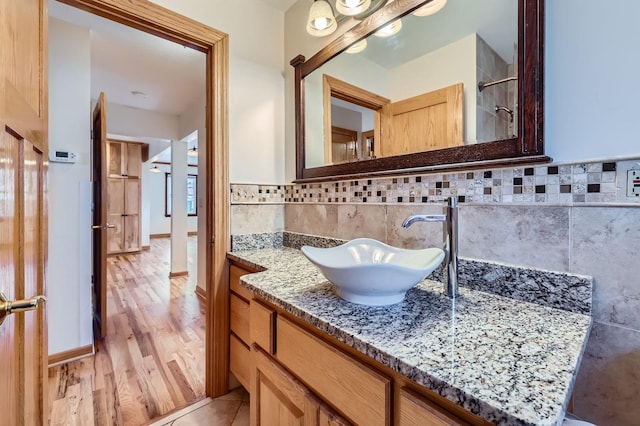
<point x="278" y="398"/>
<point x="415" y="410"/>
<point x="298" y="375"/>
<point x="239" y="335"/>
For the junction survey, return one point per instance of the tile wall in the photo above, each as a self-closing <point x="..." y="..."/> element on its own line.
<point x="562" y="217"/>
<point x="492" y="125"/>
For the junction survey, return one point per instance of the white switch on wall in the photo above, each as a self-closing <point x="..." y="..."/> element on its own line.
<point x="633" y="183"/>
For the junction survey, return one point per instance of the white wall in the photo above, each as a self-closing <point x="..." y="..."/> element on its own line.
<point x="194" y="118"/>
<point x="256" y="122"/>
<point x="591" y="79"/>
<point x="159" y="223"/>
<point x="127" y="121"/>
<point x="451" y="64"/>
<point x="256" y="86"/>
<point x="69" y="276"/>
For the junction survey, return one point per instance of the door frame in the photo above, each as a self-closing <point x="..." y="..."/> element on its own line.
<point x="167" y="24"/>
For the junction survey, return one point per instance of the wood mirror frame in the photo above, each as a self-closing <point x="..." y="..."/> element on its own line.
<point x="527" y="147"/>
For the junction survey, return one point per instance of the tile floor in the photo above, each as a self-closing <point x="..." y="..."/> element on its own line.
<point x="228" y="410"/>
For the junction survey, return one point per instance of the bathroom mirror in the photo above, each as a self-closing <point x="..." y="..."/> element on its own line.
<point x="395" y="106"/>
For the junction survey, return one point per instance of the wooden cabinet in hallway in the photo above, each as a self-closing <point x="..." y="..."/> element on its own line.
<point x="123" y="196"/>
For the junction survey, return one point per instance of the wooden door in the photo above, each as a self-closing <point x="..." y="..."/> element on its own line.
<point x="23" y="211"/>
<point x="277" y="398"/>
<point x="425" y="122"/>
<point x="101" y="224"/>
<point x="343" y="145"/>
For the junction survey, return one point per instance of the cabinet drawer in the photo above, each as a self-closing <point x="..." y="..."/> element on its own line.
<point x="234" y="282"/>
<point x="240" y="318"/>
<point x="263" y="323"/>
<point x="415" y="410"/>
<point x="240" y="361"/>
<point x="360" y="393"/>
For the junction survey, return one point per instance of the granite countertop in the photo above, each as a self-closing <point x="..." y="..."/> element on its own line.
<point x="508" y="361"/>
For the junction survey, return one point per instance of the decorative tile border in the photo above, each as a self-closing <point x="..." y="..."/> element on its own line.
<point x="252" y="194"/>
<point x="595" y="182"/>
<point x="567" y="184"/>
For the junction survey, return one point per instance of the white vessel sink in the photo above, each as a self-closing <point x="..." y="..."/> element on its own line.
<point x="369" y="272"/>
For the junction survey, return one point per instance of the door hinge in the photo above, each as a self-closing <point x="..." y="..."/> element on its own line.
<point x="212" y="240"/>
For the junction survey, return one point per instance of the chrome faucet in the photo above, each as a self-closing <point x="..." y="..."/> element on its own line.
<point x="450" y="237"/>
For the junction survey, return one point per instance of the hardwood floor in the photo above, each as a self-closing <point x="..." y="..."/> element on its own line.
<point x="152" y="360"/>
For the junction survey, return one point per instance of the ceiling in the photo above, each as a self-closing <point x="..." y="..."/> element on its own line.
<point x="282" y="5"/>
<point x="496" y="21"/>
<point x="123" y="60"/>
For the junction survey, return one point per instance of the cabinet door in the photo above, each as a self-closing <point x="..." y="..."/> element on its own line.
<point x="277" y="398"/>
<point x="328" y="417"/>
<point x="131" y="233"/>
<point x="115" y="211"/>
<point x="133" y="163"/>
<point x="131" y="197"/>
<point x="116" y="151"/>
<point x="414" y="410"/>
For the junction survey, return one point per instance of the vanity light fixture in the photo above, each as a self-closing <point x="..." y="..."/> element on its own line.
<point x="193" y="152"/>
<point x="352" y="7"/>
<point x="357" y="47"/>
<point x="390" y="29"/>
<point x="155" y="169"/>
<point x="430" y="8"/>
<point x="321" y="21"/>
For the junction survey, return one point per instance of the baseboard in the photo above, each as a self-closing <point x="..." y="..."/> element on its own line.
<point x="178" y="274"/>
<point x="146" y="248"/>
<point x="70" y="355"/>
<point x="190" y="233"/>
<point x="201" y="293"/>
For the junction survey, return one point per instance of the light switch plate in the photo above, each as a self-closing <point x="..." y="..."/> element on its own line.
<point x="633" y="183"/>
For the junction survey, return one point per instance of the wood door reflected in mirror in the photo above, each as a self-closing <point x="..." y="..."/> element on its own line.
<point x="353" y="117"/>
<point x="465" y="85"/>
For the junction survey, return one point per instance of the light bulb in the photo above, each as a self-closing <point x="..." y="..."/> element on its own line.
<point x="320" y="23"/>
<point x="430" y="8"/>
<point x="352" y="7"/>
<point x="390" y="29"/>
<point x="357" y="47"/>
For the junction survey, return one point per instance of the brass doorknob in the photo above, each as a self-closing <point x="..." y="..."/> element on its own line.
<point x="11" y="307"/>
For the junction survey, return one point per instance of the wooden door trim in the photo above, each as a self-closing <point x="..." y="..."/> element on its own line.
<point x="154" y="19"/>
<point x="21" y="120"/>
<point x="333" y="87"/>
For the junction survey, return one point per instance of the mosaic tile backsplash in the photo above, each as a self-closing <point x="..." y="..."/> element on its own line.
<point x="596" y="182"/>
<point x="254" y="193"/>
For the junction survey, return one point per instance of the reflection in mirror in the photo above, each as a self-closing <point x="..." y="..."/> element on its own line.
<point x="429" y="86"/>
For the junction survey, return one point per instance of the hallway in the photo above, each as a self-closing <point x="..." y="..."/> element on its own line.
<point x="153" y="358"/>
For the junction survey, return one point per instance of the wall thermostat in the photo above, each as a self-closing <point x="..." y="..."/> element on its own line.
<point x="59" y="156"/>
